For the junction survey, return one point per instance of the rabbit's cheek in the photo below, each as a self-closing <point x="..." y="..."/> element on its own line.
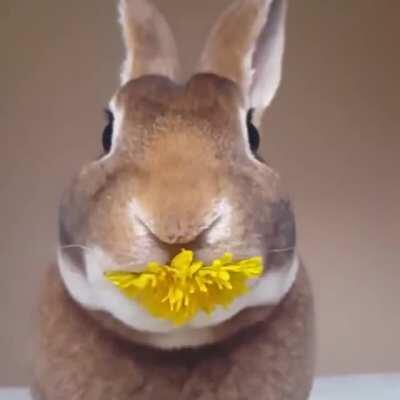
<point x="90" y="289"/>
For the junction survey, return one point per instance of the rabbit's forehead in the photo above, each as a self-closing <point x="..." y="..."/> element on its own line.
<point x="204" y="95"/>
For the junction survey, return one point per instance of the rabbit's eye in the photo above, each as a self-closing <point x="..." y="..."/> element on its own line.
<point x="108" y="131"/>
<point x="254" y="136"/>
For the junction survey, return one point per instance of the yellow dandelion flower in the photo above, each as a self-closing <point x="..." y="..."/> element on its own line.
<point x="178" y="291"/>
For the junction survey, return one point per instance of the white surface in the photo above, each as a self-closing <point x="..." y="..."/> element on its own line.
<point x="14" y="394"/>
<point x="364" y="387"/>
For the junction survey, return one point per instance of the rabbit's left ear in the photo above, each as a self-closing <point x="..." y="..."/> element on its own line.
<point x="246" y="45"/>
<point x="150" y="46"/>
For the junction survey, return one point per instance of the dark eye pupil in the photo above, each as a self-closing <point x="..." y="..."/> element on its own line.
<point x="254" y="136"/>
<point x="108" y="131"/>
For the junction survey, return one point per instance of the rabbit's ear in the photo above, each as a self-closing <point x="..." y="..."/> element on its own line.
<point x="246" y="45"/>
<point x="150" y="46"/>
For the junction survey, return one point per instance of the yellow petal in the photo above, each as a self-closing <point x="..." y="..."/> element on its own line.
<point x="227" y="258"/>
<point x="195" y="267"/>
<point x="182" y="260"/>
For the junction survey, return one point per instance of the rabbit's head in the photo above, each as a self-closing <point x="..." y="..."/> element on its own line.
<point x="180" y="167"/>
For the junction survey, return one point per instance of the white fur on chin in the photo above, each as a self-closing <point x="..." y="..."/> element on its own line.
<point x="94" y="292"/>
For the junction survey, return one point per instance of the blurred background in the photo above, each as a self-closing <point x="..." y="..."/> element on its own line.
<point x="332" y="132"/>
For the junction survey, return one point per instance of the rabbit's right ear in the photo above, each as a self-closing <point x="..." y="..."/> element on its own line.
<point x="149" y="43"/>
<point x="246" y="46"/>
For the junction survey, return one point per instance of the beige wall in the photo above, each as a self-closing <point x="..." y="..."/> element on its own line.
<point x="333" y="133"/>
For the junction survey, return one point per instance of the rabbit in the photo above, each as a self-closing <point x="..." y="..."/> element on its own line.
<point x="180" y="169"/>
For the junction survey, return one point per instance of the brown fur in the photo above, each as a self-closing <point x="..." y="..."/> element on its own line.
<point x="271" y="359"/>
<point x="181" y="149"/>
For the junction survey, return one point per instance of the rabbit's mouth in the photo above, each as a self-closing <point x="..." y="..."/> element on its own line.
<point x="94" y="292"/>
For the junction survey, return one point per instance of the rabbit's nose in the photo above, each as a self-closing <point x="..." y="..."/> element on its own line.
<point x="175" y="225"/>
<point x="174" y="230"/>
